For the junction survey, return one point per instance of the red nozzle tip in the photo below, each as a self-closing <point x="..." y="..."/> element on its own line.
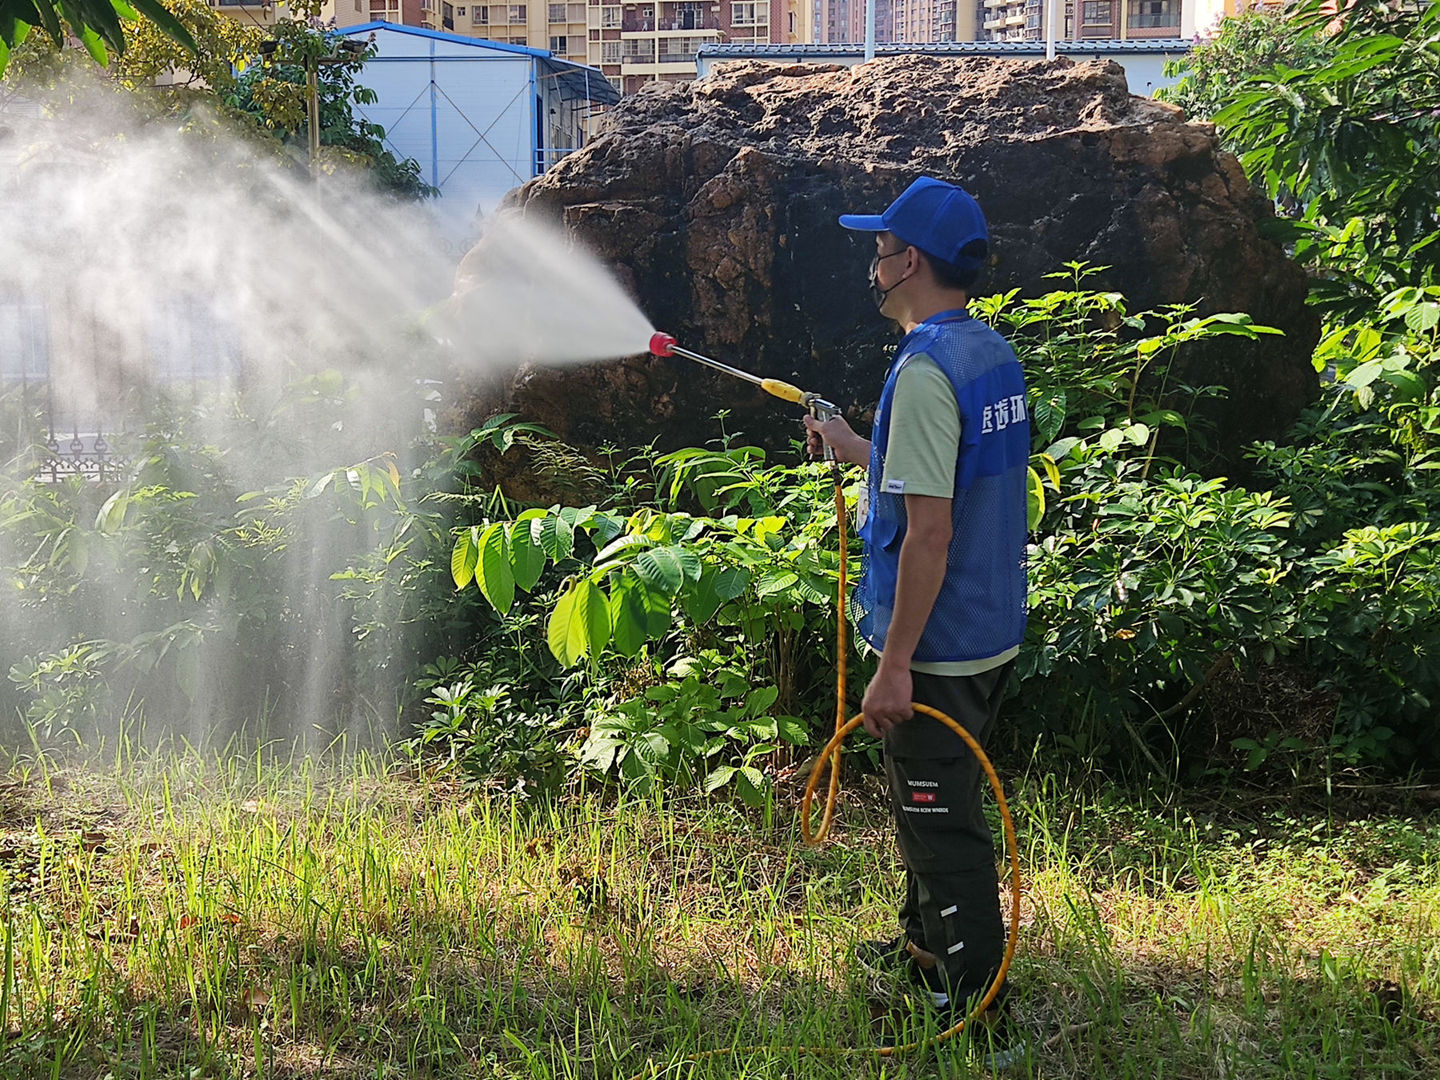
<point x="662" y="344"/>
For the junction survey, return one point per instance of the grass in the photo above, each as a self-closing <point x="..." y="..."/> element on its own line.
<point x="193" y="919"/>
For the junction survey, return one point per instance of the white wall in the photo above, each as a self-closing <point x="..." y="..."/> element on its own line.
<point x="466" y="114"/>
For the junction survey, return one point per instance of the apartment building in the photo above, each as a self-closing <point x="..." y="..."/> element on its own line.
<point x="1107" y="20"/>
<point x="898" y="21"/>
<point x="657" y="41"/>
<point x="844" y="20"/>
<point x="632" y="43"/>
<point x="922" y="21"/>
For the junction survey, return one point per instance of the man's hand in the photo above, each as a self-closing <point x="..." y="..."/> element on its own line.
<point x="839" y="436"/>
<point x="887" y="700"/>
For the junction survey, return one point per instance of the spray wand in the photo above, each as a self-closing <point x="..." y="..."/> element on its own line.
<point x="662" y="344"/>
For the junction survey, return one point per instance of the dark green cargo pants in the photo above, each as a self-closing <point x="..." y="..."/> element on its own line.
<point x="952" y="898"/>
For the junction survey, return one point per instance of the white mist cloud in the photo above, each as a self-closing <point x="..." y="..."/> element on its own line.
<point x="141" y="259"/>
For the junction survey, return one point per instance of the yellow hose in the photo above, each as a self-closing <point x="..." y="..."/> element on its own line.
<point x="831" y="753"/>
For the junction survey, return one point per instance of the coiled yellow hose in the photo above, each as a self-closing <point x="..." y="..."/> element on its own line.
<point x="831" y="754"/>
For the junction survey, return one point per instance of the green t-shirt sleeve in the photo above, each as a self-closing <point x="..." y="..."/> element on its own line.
<point x="924" y="432"/>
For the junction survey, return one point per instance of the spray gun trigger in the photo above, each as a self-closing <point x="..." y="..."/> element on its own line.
<point x="822" y="410"/>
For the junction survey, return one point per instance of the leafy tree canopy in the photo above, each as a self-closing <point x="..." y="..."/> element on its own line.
<point x="99" y="25"/>
<point x="1348" y="145"/>
<point x="1244" y="47"/>
<point x="254" y="75"/>
<point x="273" y="95"/>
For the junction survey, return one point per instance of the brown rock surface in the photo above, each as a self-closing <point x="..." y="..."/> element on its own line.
<point x="716" y="203"/>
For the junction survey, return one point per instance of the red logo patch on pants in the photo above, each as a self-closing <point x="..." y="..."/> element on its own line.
<point x="922" y="796"/>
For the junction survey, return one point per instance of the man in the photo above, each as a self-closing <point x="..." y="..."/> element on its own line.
<point x="942" y="598"/>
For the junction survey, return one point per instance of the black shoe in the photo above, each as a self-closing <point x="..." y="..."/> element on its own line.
<point x="886" y="959"/>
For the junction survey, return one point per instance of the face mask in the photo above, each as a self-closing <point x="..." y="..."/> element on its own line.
<point x="878" y="296"/>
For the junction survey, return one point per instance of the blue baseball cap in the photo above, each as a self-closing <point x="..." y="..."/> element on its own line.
<point x="936" y="217"/>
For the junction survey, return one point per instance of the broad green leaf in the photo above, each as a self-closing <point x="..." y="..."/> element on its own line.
<point x="731" y="582"/>
<point x="112" y="513"/>
<point x="1423" y="317"/>
<point x="629" y="619"/>
<point x="594" y="612"/>
<point x="557" y="537"/>
<point x="690" y="564"/>
<point x="580" y="623"/>
<point x="1034" y="500"/>
<point x="1052" y="470"/>
<point x="607" y="527"/>
<point x="493" y="572"/>
<point x="558" y="631"/>
<point x="702" y="601"/>
<point x="775" y="581"/>
<point x="1060" y="450"/>
<point x="760" y="701"/>
<point x="319" y="484"/>
<point x="527" y="557"/>
<point x="718" y="778"/>
<point x="1365" y="374"/>
<point x="660" y="568"/>
<point x="620" y="546"/>
<point x="657" y="610"/>
<point x="463" y="557"/>
<point x="750" y="786"/>
<point x="93" y="45"/>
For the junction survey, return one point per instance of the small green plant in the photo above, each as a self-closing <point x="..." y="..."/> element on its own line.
<point x="491" y="738"/>
<point x="707" y="726"/>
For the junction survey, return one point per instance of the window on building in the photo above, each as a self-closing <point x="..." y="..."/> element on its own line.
<point x="518" y="41"/>
<point x="1148" y="14"/>
<point x="517" y="13"/>
<point x="556" y="13"/>
<point x="480" y="15"/>
<point x="610" y="17"/>
<point x="679" y="50"/>
<point x="559" y="44"/>
<point x="26" y="355"/>
<point x="1096" y="13"/>
<point x="611" y="52"/>
<point x="742" y="14"/>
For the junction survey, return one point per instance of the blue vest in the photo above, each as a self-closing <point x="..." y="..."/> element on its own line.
<point x="981" y="607"/>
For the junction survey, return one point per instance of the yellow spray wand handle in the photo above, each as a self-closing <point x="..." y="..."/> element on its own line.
<point x="783" y="390"/>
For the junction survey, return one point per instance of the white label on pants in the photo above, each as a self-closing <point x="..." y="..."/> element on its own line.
<point x="949" y="911"/>
<point x="955" y="948"/>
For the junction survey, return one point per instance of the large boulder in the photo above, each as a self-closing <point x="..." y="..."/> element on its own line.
<point x="715" y="201"/>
